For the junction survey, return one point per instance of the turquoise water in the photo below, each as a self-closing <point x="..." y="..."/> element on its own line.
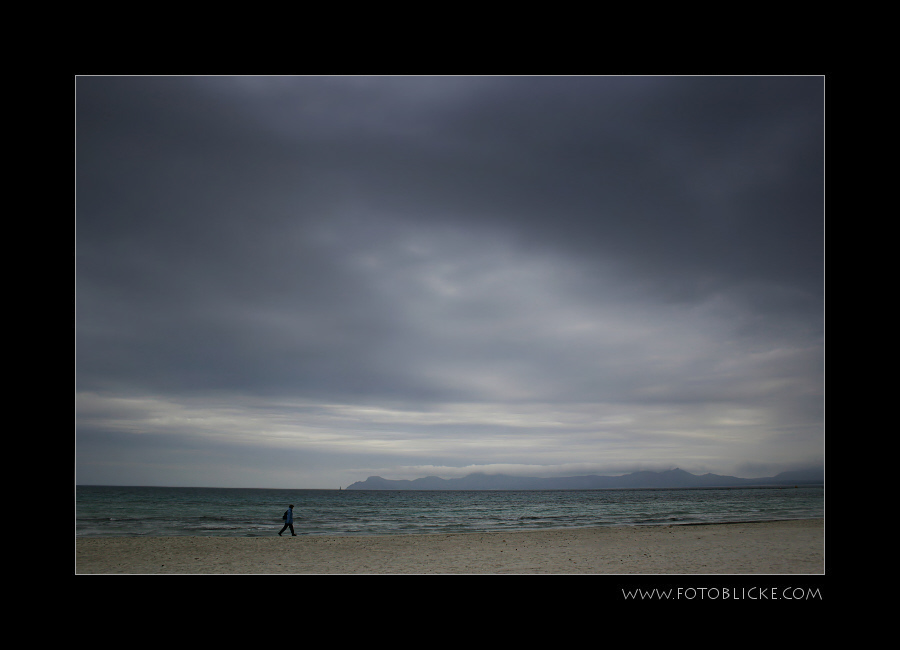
<point x="103" y="511"/>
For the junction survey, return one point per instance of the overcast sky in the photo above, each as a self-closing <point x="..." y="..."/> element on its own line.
<point x="300" y="282"/>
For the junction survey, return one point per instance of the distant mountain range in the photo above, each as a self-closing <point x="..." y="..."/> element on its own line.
<point x="673" y="478"/>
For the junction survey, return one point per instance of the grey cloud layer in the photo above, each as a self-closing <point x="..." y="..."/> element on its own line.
<point x="417" y="242"/>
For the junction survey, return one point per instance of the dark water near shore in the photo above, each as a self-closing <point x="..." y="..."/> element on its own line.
<point x="103" y="511"/>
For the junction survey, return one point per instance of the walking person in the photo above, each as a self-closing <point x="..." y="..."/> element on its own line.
<point x="288" y="521"/>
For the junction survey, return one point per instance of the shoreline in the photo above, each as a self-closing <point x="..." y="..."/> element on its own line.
<point x="795" y="546"/>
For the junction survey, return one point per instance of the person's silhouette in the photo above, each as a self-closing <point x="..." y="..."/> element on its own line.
<point x="288" y="521"/>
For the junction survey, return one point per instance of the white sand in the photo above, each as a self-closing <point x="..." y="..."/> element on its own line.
<point x="785" y="547"/>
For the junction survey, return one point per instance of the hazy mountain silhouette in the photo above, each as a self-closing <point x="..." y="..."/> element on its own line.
<point x="673" y="478"/>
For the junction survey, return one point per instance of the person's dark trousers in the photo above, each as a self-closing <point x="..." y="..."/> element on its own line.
<point x="286" y="526"/>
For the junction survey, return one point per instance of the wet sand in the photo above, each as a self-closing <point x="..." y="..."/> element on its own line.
<point x="782" y="547"/>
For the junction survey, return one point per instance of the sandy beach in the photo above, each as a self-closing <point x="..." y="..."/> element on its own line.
<point x="783" y="547"/>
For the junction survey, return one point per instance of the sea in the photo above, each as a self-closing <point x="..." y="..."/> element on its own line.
<point x="117" y="511"/>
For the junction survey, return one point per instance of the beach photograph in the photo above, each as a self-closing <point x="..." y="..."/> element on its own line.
<point x="451" y="325"/>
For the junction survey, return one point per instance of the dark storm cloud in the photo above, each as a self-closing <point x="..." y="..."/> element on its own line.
<point x="688" y="176"/>
<point x="417" y="241"/>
